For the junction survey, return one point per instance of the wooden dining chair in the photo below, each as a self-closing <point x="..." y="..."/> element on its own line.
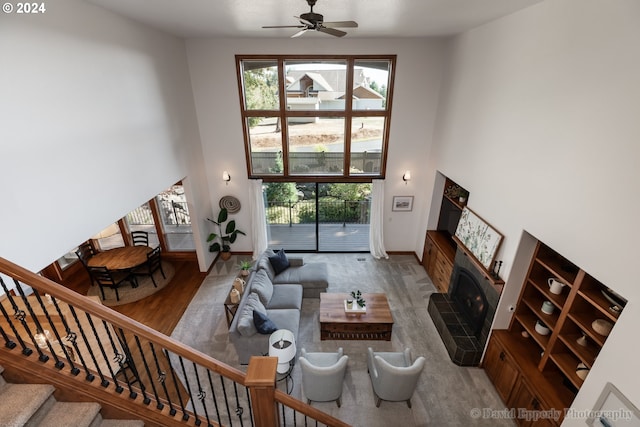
<point x="140" y="238"/>
<point x="153" y="264"/>
<point x="106" y="278"/>
<point x="85" y="251"/>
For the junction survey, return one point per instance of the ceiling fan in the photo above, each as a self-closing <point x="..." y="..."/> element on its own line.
<point x="315" y="21"/>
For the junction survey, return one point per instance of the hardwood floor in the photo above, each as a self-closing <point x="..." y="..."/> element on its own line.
<point x="162" y="310"/>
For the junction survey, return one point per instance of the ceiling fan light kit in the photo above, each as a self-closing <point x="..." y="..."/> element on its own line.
<point x="315" y="21"/>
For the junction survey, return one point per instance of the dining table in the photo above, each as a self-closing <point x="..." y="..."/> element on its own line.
<point x="121" y="258"/>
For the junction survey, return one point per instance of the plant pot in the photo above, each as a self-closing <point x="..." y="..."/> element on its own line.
<point x="244" y="273"/>
<point x="225" y="255"/>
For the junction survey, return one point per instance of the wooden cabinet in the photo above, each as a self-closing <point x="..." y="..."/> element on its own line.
<point x="439" y="247"/>
<point x="437" y="259"/>
<point x="501" y="370"/>
<point x="443" y="270"/>
<point x="530" y="411"/>
<point x="429" y="254"/>
<point x="512" y="371"/>
<point x="548" y="362"/>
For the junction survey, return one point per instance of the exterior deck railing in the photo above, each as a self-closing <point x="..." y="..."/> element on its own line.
<point x="328" y="212"/>
<point x="95" y="351"/>
<point x="309" y="162"/>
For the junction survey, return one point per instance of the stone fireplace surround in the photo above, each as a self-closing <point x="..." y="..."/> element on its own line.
<point x="463" y="345"/>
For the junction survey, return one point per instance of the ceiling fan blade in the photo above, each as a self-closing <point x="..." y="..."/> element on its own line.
<point x="284" y="26"/>
<point x="304" y="21"/>
<point x="331" y="31"/>
<point x="341" y="24"/>
<point x="299" y="33"/>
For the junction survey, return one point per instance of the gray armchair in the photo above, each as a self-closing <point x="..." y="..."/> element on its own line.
<point x="393" y="376"/>
<point x="323" y="375"/>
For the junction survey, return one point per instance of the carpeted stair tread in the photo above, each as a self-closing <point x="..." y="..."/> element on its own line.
<point x="21" y="401"/>
<point x="77" y="414"/>
<point x="122" y="423"/>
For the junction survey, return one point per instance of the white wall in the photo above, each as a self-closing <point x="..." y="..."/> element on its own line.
<point x="539" y="121"/>
<point x="417" y="82"/>
<point x="96" y="117"/>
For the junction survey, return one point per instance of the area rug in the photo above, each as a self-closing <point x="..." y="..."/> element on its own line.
<point x="446" y="395"/>
<point x="129" y="294"/>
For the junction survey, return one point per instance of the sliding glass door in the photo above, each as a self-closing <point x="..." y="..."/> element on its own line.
<point x="318" y="217"/>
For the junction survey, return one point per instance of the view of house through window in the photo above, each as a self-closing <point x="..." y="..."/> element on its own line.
<point x="324" y="217"/>
<point x="141" y="219"/>
<point x="333" y="121"/>
<point x="109" y="238"/>
<point x="176" y="221"/>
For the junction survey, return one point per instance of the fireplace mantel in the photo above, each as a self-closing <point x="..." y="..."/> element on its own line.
<point x="497" y="283"/>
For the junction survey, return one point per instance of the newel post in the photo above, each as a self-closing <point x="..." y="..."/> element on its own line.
<point x="261" y="381"/>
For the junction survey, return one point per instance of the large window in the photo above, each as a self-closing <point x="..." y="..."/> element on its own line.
<point x="332" y="122"/>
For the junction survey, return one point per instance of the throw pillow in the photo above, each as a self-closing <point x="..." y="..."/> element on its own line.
<point x="279" y="261"/>
<point x="261" y="285"/>
<point x="264" y="325"/>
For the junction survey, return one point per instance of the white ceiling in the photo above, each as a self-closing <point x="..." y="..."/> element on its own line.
<point x="376" y="18"/>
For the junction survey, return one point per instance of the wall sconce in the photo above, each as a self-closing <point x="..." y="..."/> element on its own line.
<point x="226" y="177"/>
<point x="406" y="177"/>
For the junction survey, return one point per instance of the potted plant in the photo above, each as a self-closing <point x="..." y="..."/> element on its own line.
<point x="244" y="267"/>
<point x="357" y="296"/>
<point x="462" y="195"/>
<point x="222" y="241"/>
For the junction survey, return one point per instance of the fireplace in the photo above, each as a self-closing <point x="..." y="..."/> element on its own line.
<point x="469" y="298"/>
<point x="463" y="315"/>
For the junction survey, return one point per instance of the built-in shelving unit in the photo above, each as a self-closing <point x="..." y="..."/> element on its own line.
<point x="549" y="363"/>
<point x="440" y="247"/>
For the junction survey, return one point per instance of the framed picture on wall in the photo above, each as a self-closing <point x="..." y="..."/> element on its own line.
<point x="613" y="409"/>
<point x="479" y="237"/>
<point x="402" y="203"/>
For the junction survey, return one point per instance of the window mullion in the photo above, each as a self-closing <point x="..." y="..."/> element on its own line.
<point x="348" y="110"/>
<point x="284" y="123"/>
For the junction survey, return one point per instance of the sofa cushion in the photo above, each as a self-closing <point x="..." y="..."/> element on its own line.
<point x="285" y="296"/>
<point x="264" y="263"/>
<point x="262" y="286"/>
<point x="285" y="319"/>
<point x="279" y="262"/>
<point x="246" y="326"/>
<point x="312" y="275"/>
<point x="264" y="325"/>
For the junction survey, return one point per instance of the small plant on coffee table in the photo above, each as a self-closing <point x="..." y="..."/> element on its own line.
<point x="357" y="296"/>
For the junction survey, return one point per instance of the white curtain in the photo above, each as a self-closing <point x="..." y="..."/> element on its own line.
<point x="258" y="219"/>
<point x="376" y="232"/>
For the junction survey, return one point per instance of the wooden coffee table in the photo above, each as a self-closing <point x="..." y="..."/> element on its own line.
<point x="375" y="324"/>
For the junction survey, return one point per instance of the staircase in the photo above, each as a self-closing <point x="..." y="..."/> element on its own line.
<point x="35" y="405"/>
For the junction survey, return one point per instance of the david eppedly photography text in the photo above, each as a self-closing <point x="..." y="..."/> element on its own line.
<point x="605" y="416"/>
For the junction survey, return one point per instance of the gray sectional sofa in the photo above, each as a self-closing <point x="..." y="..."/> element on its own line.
<point x="279" y="296"/>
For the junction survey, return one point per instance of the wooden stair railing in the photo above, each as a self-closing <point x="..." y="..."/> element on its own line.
<point x="128" y="367"/>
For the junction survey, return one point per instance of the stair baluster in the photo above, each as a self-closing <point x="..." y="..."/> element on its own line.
<point x="162" y="376"/>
